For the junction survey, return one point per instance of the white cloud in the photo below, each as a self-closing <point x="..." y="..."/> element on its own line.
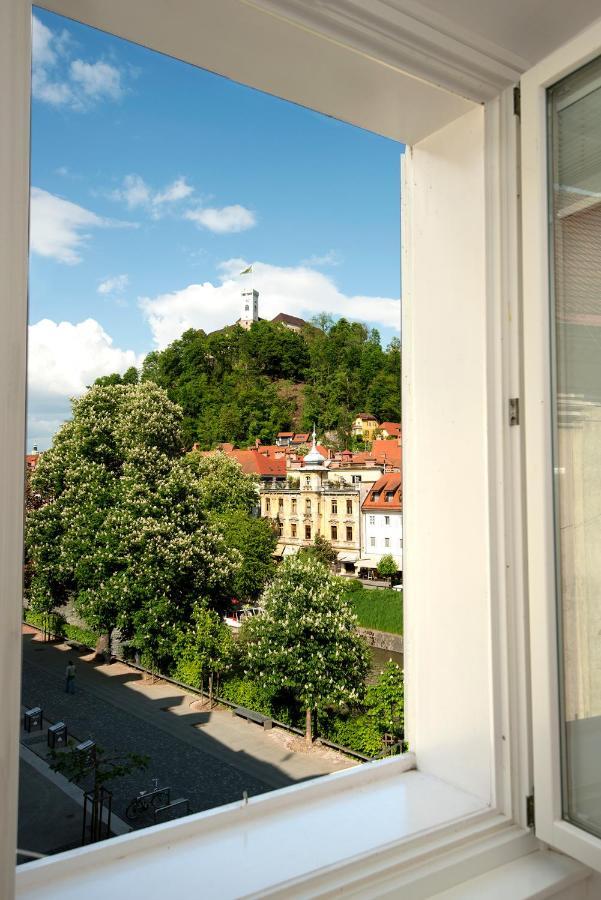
<point x="297" y="290"/>
<point x="135" y="192"/>
<point x="224" y="220"/>
<point x="59" y="81"/>
<point x="97" y="80"/>
<point x="60" y="228"/>
<point x="114" y="285"/>
<point x="178" y="190"/>
<point x="42" y="44"/>
<point x="64" y="358"/>
<point x="331" y="258"/>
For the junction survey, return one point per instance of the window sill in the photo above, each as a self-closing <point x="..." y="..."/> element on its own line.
<point x="320" y="835"/>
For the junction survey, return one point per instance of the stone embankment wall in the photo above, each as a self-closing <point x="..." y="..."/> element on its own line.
<point x="383" y="640"/>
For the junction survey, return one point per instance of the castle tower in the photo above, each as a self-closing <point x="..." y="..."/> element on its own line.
<point x="250" y="308"/>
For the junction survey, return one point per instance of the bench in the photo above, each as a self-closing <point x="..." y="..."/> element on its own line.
<point x="251" y="716"/>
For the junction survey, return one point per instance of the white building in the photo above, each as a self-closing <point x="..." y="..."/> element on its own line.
<point x="382" y="523"/>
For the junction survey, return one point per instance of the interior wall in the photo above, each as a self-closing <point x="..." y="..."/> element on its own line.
<point x="445" y="472"/>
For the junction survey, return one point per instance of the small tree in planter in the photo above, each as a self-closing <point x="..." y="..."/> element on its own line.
<point x="205" y="649"/>
<point x="99" y="767"/>
<point x="304" y="640"/>
<point x="387" y="567"/>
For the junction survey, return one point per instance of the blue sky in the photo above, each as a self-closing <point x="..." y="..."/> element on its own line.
<point x="154" y="183"/>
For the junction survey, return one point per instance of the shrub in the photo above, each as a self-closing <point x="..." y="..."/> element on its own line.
<point x="249" y="694"/>
<point x="358" y="732"/>
<point x="83" y="635"/>
<point x="351" y="585"/>
<point x="60" y="628"/>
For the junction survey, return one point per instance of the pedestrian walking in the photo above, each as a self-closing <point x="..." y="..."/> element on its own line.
<point x="70" y="677"/>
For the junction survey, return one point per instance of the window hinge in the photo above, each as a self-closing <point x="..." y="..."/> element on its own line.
<point x="514" y="410"/>
<point x="530" y="811"/>
<point x="517" y="101"/>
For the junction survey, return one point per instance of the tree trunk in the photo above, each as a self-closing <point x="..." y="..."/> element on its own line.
<point x="308" y="726"/>
<point x="211" y="691"/>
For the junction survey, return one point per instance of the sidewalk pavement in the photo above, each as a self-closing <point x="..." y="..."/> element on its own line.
<point x="210" y="757"/>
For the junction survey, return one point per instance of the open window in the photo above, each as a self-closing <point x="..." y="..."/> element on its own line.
<point x="562" y="305"/>
<point x="469" y="716"/>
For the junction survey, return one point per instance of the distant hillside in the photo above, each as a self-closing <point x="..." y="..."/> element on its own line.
<point x="239" y="386"/>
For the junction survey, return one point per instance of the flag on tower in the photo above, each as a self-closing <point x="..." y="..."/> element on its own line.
<point x="247" y="271"/>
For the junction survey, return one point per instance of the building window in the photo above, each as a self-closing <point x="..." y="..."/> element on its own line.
<point x="307" y="532"/>
<point x="280" y="503"/>
<point x="376" y="496"/>
<point x="387" y="542"/>
<point x="387" y="520"/>
<point x="372" y="542"/>
<point x="268" y="505"/>
<point x="334" y="532"/>
<point x="349" y="507"/>
<point x="293" y="529"/>
<point x="349" y="533"/>
<point x="334" y="507"/>
<point x="307" y="505"/>
<point x="294" y="504"/>
<point x="307" y="480"/>
<point x="280" y="528"/>
<point x="389" y="496"/>
<point x="355" y="478"/>
<point x="372" y="520"/>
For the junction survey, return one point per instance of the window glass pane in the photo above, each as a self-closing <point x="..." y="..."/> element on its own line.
<point x="574" y="108"/>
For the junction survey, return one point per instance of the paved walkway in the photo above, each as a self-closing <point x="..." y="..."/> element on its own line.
<point x="209" y="757"/>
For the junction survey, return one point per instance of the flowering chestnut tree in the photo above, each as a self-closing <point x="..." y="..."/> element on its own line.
<point x="304" y="640"/>
<point x="124" y="528"/>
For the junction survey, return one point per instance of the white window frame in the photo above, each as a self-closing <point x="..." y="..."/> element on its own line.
<point x="477" y="829"/>
<point x="550" y="826"/>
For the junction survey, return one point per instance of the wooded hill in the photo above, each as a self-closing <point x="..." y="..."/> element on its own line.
<point x="240" y="386"/>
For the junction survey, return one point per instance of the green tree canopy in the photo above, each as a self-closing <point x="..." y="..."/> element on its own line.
<point x="304" y="640"/>
<point x="255" y="540"/>
<point x="238" y="386"/>
<point x="321" y="550"/>
<point x="387" y="567"/>
<point x="124" y="530"/>
<point x="203" y="648"/>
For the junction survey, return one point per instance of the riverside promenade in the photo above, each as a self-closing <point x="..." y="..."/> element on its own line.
<point x="207" y="756"/>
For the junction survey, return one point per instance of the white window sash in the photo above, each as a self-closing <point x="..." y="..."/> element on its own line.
<point x="550" y="826"/>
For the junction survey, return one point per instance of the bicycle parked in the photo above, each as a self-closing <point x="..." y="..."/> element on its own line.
<point x="148" y="801"/>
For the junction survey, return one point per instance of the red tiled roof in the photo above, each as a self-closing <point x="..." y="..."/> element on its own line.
<point x="255" y="463"/>
<point x="285" y="434"/>
<point x="387" y="485"/>
<point x="367" y="416"/>
<point x="386" y="451"/>
<point x="391" y="427"/>
<point x="252" y="462"/>
<point x="32" y="459"/>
